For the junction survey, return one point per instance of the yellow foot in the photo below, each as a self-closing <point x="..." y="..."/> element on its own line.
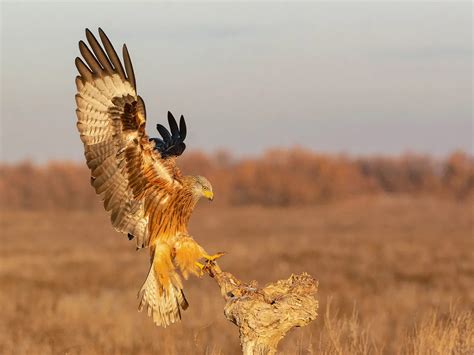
<point x="214" y="257"/>
<point x="200" y="267"/>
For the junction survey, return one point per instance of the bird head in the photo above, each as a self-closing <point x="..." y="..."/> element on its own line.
<point x="203" y="188"/>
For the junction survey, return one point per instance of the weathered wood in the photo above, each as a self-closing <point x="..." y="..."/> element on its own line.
<point x="265" y="315"/>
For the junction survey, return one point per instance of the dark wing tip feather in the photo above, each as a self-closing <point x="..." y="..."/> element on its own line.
<point x="109" y="48"/>
<point x="83" y="69"/>
<point x="99" y="52"/>
<point x="173" y="125"/>
<point x="173" y="142"/>
<point x="142" y="105"/>
<point x="90" y="59"/>
<point x="101" y="32"/>
<point x="182" y="128"/>
<point x="164" y="133"/>
<point x="102" y="58"/>
<point x="180" y="148"/>
<point x="129" y="67"/>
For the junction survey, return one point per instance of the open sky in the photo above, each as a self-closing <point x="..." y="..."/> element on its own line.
<point x="353" y="77"/>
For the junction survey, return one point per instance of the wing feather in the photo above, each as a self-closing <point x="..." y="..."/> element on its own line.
<point x="129" y="174"/>
<point x="90" y="59"/>
<point x="99" y="52"/>
<point x="83" y="69"/>
<point x="129" y="67"/>
<point x="112" y="54"/>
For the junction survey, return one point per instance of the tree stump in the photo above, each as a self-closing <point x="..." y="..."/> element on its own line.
<point x="265" y="315"/>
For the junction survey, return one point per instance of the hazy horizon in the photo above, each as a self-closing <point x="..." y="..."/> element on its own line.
<point x="358" y="78"/>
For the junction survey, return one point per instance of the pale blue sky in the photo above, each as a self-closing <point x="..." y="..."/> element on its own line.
<point x="353" y="77"/>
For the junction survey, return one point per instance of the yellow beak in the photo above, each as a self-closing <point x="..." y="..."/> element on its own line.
<point x="208" y="194"/>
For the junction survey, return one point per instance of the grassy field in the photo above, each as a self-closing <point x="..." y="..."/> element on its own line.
<point x="396" y="275"/>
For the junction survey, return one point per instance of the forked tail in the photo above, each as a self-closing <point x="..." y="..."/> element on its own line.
<point x="161" y="293"/>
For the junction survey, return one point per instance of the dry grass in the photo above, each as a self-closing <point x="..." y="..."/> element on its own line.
<point x="389" y="269"/>
<point x="449" y="334"/>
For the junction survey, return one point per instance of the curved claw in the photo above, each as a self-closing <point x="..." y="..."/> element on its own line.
<point x="201" y="268"/>
<point x="211" y="258"/>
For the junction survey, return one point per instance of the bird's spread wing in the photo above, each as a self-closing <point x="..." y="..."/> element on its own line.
<point x="127" y="170"/>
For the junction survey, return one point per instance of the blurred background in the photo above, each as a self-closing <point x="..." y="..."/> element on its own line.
<point x="338" y="138"/>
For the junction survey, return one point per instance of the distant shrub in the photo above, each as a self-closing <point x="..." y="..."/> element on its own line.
<point x="277" y="178"/>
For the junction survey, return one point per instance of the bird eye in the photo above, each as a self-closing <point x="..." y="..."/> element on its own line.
<point x="205" y="187"/>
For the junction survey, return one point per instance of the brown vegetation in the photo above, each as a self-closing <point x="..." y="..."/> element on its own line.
<point x="389" y="239"/>
<point x="395" y="276"/>
<point x="278" y="178"/>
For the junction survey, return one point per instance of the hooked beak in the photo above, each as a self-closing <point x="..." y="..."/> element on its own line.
<point x="209" y="195"/>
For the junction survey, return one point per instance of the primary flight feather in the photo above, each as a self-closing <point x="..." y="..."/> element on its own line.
<point x="147" y="196"/>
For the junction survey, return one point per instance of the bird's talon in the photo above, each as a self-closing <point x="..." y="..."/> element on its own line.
<point x="211" y="258"/>
<point x="201" y="268"/>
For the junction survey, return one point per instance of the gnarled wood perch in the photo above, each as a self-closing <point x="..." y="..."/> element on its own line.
<point x="265" y="315"/>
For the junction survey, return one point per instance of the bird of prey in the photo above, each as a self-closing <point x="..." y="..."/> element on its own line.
<point x="148" y="198"/>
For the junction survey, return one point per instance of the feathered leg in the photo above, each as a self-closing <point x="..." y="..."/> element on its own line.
<point x="187" y="256"/>
<point x="162" y="293"/>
